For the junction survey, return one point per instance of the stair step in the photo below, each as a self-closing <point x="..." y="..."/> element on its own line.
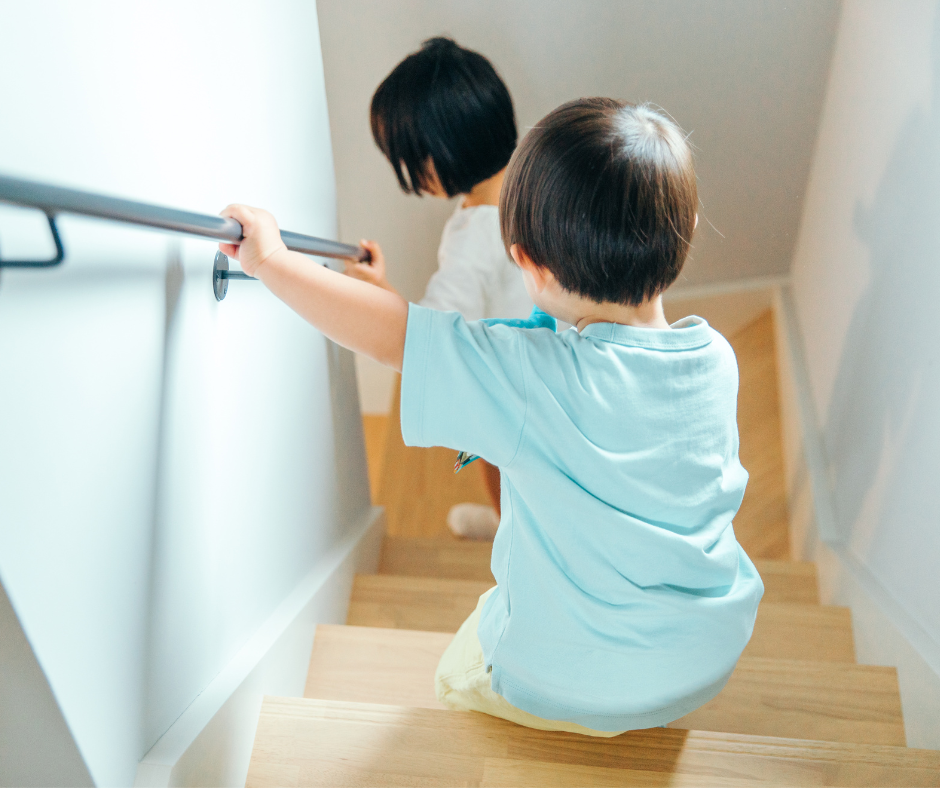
<point x="371" y="665"/>
<point x="436" y="557"/>
<point x="820" y="633"/>
<point x="789" y="581"/>
<point x="766" y="697"/>
<point x="784" y="581"/>
<point x="302" y="742"/>
<point x="431" y="604"/>
<point x="782" y="631"/>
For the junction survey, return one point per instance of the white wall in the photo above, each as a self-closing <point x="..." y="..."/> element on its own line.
<point x="747" y="79"/>
<point x="211" y="742"/>
<point x="37" y="747"/>
<point x="866" y="274"/>
<point x="171" y="468"/>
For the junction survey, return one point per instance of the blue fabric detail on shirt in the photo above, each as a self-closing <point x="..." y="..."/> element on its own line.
<point x="537" y="319"/>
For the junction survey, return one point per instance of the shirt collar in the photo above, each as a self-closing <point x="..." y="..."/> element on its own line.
<point x="686" y="334"/>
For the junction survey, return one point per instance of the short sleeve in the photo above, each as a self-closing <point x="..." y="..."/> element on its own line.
<point x="463" y="385"/>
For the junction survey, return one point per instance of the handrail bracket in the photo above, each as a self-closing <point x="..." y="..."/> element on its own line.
<point x="59" y="251"/>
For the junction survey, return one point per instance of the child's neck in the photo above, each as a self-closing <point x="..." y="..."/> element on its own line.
<point x="485" y="192"/>
<point x="576" y="310"/>
<point x="649" y="314"/>
<point x="580" y="312"/>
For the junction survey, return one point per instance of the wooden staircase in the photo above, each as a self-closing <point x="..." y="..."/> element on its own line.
<point x="798" y="710"/>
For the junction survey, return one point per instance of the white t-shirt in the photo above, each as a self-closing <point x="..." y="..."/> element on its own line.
<point x="475" y="276"/>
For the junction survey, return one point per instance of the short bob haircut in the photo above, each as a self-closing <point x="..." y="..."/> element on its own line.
<point x="602" y="193"/>
<point x="448" y="105"/>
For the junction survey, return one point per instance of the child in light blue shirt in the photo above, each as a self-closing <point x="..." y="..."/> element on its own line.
<point x="623" y="600"/>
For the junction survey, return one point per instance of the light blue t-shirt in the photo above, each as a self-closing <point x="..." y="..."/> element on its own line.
<point x="623" y="599"/>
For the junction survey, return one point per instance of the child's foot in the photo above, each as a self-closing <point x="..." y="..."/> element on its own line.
<point x="473" y="521"/>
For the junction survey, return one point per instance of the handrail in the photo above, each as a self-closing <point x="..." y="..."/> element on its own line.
<point x="53" y="200"/>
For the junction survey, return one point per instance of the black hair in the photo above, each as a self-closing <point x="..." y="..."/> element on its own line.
<point x="602" y="193"/>
<point x="447" y="105"/>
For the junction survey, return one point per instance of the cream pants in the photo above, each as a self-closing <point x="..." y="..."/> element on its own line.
<point x="462" y="683"/>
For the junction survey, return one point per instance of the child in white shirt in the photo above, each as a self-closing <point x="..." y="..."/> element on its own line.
<point x="444" y="120"/>
<point x="475" y="275"/>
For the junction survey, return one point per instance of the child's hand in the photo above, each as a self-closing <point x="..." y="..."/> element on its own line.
<point x="261" y="237"/>
<point x="373" y="273"/>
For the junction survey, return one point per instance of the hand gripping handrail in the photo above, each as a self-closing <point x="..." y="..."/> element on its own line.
<point x="53" y="200"/>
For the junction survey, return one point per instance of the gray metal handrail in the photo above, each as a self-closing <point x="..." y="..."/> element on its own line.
<point x="53" y="200"/>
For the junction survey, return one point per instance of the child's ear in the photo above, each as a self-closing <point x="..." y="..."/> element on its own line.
<point x="540" y="275"/>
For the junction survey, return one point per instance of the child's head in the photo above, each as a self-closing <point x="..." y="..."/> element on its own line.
<point x="444" y="111"/>
<point x="603" y="194"/>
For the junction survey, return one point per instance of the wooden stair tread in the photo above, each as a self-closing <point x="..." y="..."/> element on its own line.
<point x="789" y="581"/>
<point x="436" y="557"/>
<point x="768" y="697"/>
<point x="302" y="742"/>
<point x="369" y="665"/>
<point x="783" y="630"/>
<point x="431" y="604"/>
<point x="446" y="557"/>
<point x="821" y="633"/>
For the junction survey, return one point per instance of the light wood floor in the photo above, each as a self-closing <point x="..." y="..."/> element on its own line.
<point x="375" y="429"/>
<point x="765" y="696"/>
<point x="305" y="742"/>
<point x="418" y="486"/>
<point x="784" y="629"/>
<point x="761" y="524"/>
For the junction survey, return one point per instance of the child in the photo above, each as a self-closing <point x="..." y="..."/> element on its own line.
<point x="444" y="120"/>
<point x="623" y="600"/>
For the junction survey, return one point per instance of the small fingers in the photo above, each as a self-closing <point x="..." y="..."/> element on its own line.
<point x="360" y="271"/>
<point x="236" y="211"/>
<point x="245" y="215"/>
<point x="374" y="250"/>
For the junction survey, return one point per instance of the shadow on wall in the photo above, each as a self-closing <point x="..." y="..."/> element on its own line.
<point x="173" y="282"/>
<point x="882" y="429"/>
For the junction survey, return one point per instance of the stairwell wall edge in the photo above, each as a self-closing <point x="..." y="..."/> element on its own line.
<point x="885" y="632"/>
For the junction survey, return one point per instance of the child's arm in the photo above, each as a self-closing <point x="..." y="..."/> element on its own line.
<point x="352" y="313"/>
